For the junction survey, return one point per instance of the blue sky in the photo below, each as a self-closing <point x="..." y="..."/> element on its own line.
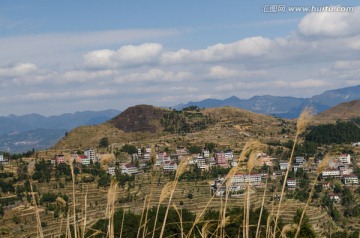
<point x="65" y="56"/>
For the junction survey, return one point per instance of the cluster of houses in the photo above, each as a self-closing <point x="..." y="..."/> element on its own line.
<point x="339" y="168"/>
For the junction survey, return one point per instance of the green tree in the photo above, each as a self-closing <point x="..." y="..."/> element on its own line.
<point x="104" y="142"/>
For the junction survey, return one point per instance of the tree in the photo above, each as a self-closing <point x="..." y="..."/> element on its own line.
<point x="104" y="142"/>
<point x="130" y="149"/>
<point x="305" y="227"/>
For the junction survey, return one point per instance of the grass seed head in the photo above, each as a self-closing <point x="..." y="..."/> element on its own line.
<point x="303" y="121"/>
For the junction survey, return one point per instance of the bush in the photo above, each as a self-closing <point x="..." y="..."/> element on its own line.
<point x="190" y="196"/>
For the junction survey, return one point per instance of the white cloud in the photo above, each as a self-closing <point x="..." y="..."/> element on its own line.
<point x="54" y="47"/>
<point x="154" y="75"/>
<point x="84" y="76"/>
<point x="308" y="83"/>
<point x="38" y="96"/>
<point x="128" y="55"/>
<point x="347" y="64"/>
<point x="220" y="72"/>
<point x="17" y="70"/>
<point x="330" y="24"/>
<point x="248" y="47"/>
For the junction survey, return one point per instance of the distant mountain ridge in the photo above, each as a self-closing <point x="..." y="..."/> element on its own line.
<point x="286" y="107"/>
<point x="25" y="132"/>
<point x="18" y="124"/>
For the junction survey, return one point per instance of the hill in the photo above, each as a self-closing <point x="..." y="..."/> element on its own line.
<point x="142" y="118"/>
<point x="285" y="107"/>
<point x="144" y="124"/>
<point x="344" y="112"/>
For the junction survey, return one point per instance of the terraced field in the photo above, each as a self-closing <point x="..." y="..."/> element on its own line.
<point x="97" y="201"/>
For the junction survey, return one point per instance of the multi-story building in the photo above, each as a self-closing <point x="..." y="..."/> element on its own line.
<point x="252" y="178"/>
<point x="300" y="160"/>
<point x="345" y="158"/>
<point x="90" y="153"/>
<point x="129" y="169"/>
<point x="200" y="162"/>
<point x="291" y="183"/>
<point x="331" y="173"/>
<point x="169" y="166"/>
<point x="111" y="170"/>
<point x="350" y="179"/>
<point x="181" y="150"/>
<point x="283" y="165"/>
<point x="229" y="155"/>
<point x="206" y="153"/>
<point x="220" y="158"/>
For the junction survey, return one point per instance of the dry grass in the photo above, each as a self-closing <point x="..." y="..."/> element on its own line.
<point x="302" y="123"/>
<point x="323" y="164"/>
<point x="31" y="169"/>
<point x="110" y="208"/>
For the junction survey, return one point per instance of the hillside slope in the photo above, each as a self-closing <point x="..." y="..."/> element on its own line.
<point x="144" y="124"/>
<point x="344" y="111"/>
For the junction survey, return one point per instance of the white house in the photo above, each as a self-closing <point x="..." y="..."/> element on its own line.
<point x="345" y="158"/>
<point x="129" y="169"/>
<point x="291" y="183"/>
<point x="283" y="165"/>
<point x="200" y="162"/>
<point x="300" y="160"/>
<point x="181" y="150"/>
<point x="3" y="160"/>
<point x="81" y="159"/>
<point x="331" y="173"/>
<point x="356" y="144"/>
<point x="111" y="170"/>
<point x="206" y="152"/>
<point x="169" y="166"/>
<point x="350" y="179"/>
<point x="253" y="178"/>
<point x="90" y="153"/>
<point x="334" y="197"/>
<point x="229" y="155"/>
<point x="148" y="149"/>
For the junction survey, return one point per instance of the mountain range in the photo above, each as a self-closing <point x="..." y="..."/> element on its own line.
<point x="22" y="133"/>
<point x="285" y="107"/>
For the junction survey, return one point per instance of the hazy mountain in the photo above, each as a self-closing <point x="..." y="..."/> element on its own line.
<point x="22" y="133"/>
<point x="34" y="139"/>
<point x="17" y="124"/>
<point x="287" y="107"/>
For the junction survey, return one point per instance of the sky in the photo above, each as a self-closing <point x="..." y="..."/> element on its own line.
<point x="67" y="56"/>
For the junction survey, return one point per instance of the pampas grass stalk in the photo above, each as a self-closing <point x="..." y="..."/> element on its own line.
<point x="323" y="164"/>
<point x="110" y="210"/>
<point x="62" y="203"/>
<point x="164" y="194"/>
<point x="68" y="232"/>
<point x="262" y="208"/>
<point x="141" y="218"/>
<point x="148" y="205"/>
<point x="302" y="123"/>
<point x="180" y="170"/>
<point x="85" y="208"/>
<point x="31" y="168"/>
<point x="71" y="162"/>
<point x="180" y="219"/>
<point x="122" y="223"/>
